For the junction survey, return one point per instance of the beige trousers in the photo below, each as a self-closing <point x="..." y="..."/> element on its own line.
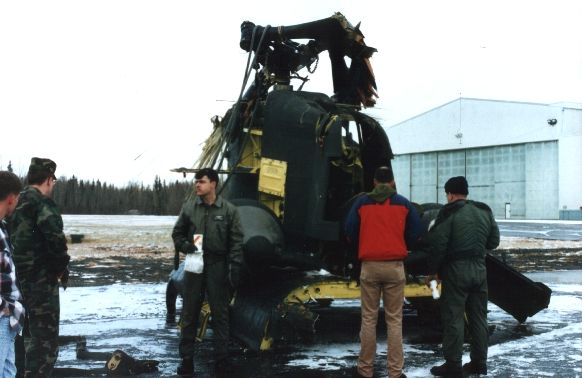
<point x="381" y="279"/>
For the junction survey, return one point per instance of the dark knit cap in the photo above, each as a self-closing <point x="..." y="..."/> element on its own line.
<point x="457" y="185"/>
<point x="383" y="175"/>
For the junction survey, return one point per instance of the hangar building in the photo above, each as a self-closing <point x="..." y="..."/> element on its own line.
<point x="523" y="159"/>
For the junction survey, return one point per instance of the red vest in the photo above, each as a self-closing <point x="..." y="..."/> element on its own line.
<point x="382" y="232"/>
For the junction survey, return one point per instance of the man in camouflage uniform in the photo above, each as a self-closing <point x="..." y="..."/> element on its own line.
<point x="218" y="221"/>
<point x="40" y="255"/>
<point x="463" y="232"/>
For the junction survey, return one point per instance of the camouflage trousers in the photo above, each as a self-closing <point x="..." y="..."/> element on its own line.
<point x="41" y="327"/>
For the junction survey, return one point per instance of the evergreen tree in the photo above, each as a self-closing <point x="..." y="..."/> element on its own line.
<point x="74" y="196"/>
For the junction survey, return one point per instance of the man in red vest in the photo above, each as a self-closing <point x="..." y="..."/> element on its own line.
<point x="384" y="225"/>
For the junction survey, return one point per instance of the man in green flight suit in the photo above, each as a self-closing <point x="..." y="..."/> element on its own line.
<point x="41" y="259"/>
<point x="217" y="220"/>
<point x="463" y="232"/>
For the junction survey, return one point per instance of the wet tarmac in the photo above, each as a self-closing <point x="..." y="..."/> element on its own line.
<point x="124" y="308"/>
<point x="548" y="230"/>
<point x="131" y="317"/>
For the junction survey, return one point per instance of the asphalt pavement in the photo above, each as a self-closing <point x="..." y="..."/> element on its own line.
<point x="127" y="311"/>
<point x="549" y="230"/>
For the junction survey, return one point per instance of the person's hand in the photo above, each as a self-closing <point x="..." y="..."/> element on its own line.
<point x="189" y="248"/>
<point x="64" y="278"/>
<point x="431" y="277"/>
<point x="355" y="269"/>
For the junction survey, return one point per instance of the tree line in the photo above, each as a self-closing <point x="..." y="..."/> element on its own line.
<point x="74" y="196"/>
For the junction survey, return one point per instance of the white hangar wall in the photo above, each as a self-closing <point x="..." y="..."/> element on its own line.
<point x="515" y="156"/>
<point x="570" y="158"/>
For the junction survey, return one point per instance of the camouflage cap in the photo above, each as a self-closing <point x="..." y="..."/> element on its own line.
<point x="42" y="165"/>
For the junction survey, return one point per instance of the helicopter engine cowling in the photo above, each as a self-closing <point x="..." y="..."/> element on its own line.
<point x="264" y="241"/>
<point x="263" y="236"/>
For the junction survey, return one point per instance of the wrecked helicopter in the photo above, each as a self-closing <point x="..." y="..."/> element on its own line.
<point x="292" y="162"/>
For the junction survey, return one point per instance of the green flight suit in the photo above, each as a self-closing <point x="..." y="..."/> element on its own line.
<point x="40" y="256"/>
<point x="463" y="232"/>
<point x="222" y="246"/>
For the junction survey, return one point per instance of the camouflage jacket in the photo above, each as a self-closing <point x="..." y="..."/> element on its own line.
<point x="219" y="223"/>
<point x="463" y="229"/>
<point x="37" y="235"/>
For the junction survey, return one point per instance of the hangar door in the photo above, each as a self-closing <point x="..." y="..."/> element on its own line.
<point x="523" y="177"/>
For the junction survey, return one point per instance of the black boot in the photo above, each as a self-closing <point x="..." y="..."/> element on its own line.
<point x="448" y="369"/>
<point x="170" y="318"/>
<point x="221" y="352"/>
<point x="475" y="368"/>
<point x="186" y="367"/>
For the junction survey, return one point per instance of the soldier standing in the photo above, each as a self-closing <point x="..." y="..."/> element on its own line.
<point x="217" y="220"/>
<point x="458" y="241"/>
<point x="40" y="255"/>
<point x="11" y="310"/>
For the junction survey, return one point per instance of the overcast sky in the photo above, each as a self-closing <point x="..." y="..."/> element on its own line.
<point x="123" y="90"/>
